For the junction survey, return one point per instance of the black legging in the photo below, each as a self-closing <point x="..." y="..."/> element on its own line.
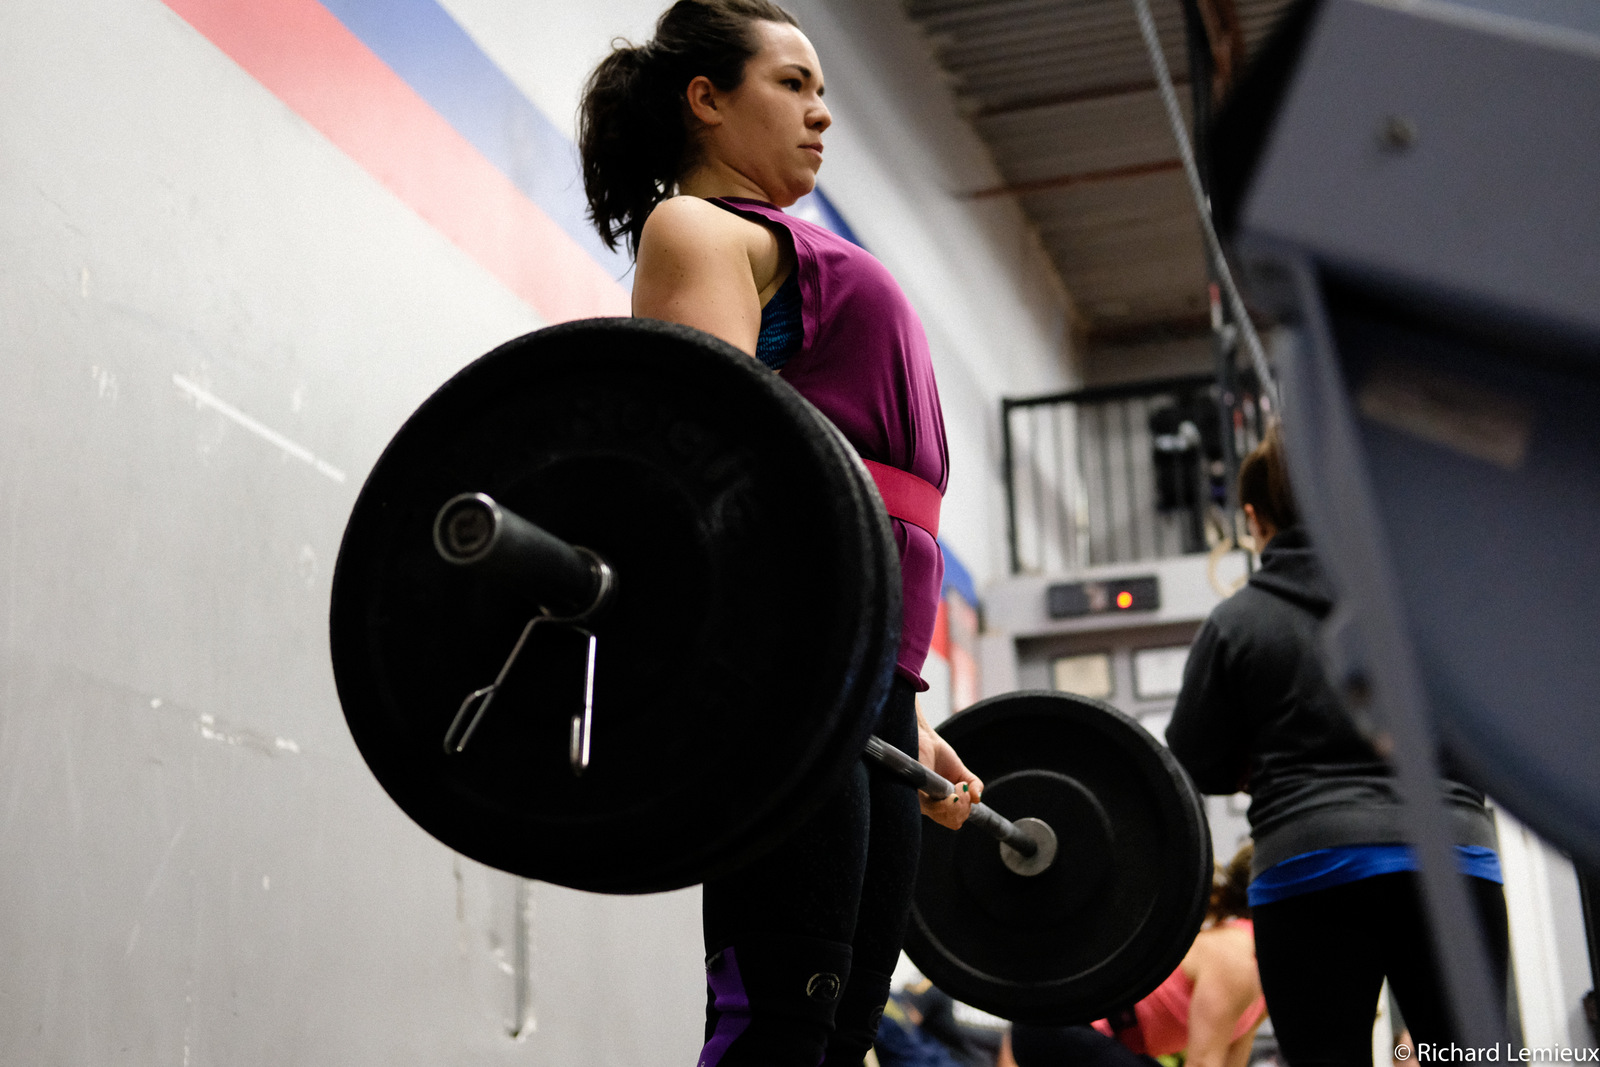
<point x="803" y="942"/>
<point x="1323" y="957"/>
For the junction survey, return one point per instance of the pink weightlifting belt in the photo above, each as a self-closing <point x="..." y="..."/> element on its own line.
<point x="907" y="497"/>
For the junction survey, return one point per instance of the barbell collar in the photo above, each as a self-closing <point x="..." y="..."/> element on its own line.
<point x="570" y="582"/>
<point x="1044" y="854"/>
<point x="1024" y="842"/>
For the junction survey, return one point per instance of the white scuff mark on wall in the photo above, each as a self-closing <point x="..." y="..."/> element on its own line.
<point x="209" y="729"/>
<point x="307" y="565"/>
<point x="498" y="951"/>
<point x="83" y="282"/>
<point x="133" y="939"/>
<point x="266" y="882"/>
<point x="188" y="1004"/>
<point x="155" y="703"/>
<point x="203" y="398"/>
<point x="105" y="383"/>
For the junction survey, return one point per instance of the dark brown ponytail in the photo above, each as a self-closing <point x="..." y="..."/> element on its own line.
<point x="1264" y="482"/>
<point x="633" y="121"/>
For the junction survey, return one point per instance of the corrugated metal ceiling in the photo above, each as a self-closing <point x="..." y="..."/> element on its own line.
<point x="1063" y="94"/>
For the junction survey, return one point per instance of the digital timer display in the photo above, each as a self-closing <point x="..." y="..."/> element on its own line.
<point x="1069" y="600"/>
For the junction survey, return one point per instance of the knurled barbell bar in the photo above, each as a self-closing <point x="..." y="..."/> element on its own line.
<point x="735" y="598"/>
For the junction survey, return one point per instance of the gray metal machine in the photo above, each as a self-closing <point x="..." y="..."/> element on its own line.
<point x="1413" y="188"/>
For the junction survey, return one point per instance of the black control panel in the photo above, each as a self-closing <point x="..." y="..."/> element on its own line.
<point x="1069" y="600"/>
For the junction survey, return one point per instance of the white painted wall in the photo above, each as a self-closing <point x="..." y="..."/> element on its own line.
<point x="1548" y="952"/>
<point x="211" y="321"/>
<point x="197" y="867"/>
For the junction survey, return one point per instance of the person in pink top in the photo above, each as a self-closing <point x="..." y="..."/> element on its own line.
<point x="1208" y="1009"/>
<point x="692" y="145"/>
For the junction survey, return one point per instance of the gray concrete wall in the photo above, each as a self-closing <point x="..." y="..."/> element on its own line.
<point x="195" y="865"/>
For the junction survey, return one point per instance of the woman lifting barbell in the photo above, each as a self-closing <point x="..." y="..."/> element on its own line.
<point x="692" y="145"/>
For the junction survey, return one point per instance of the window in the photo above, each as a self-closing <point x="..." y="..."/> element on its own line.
<point x="1158" y="672"/>
<point x="1087" y="675"/>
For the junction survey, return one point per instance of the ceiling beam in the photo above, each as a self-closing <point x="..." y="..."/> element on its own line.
<point x="1148" y="331"/>
<point x="1082" y="96"/>
<point x="1082" y="177"/>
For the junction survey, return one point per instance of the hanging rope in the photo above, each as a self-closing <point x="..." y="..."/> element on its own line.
<point x="1169" y="96"/>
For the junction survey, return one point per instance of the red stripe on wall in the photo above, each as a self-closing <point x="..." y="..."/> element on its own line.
<point x="940" y="645"/>
<point x="306" y="57"/>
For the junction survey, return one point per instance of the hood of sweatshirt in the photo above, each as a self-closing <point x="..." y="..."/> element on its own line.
<point x="1289" y="569"/>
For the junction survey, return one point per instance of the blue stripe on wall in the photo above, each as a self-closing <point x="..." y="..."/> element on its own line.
<point x="957" y="577"/>
<point x="816" y="207"/>
<point x="425" y="46"/>
<point x="422" y="43"/>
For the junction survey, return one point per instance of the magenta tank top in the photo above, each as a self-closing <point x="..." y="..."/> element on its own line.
<point x="864" y="363"/>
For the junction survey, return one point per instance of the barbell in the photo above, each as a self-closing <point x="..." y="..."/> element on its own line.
<point x="472" y="530"/>
<point x="678" y="581"/>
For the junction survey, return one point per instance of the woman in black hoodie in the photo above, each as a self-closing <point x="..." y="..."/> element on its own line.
<point x="1334" y="888"/>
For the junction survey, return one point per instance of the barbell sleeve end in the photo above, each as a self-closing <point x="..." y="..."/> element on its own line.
<point x="571" y="583"/>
